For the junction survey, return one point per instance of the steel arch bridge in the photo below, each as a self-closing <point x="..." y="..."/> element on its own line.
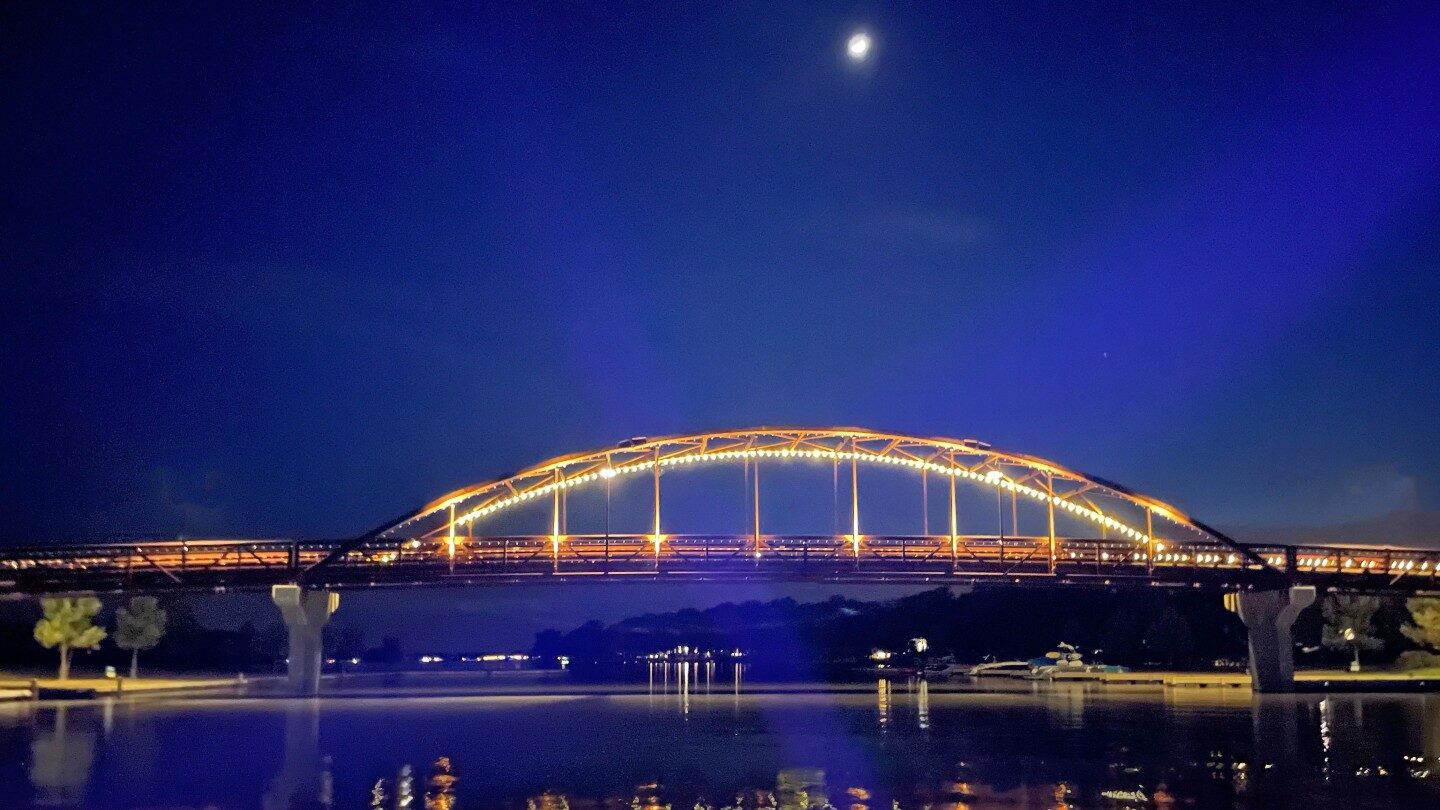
<point x="1112" y="511"/>
<point x="1095" y="531"/>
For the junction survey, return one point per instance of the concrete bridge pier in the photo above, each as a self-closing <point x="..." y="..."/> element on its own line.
<point x="1269" y="616"/>
<point x="305" y="612"/>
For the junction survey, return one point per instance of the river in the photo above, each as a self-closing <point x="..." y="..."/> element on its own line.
<point x="687" y="738"/>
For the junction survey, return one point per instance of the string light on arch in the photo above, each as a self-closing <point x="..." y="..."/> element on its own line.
<point x="991" y="477"/>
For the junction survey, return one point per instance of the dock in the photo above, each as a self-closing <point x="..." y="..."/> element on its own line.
<point x="1306" y="680"/>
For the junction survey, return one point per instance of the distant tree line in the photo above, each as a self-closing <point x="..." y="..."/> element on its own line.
<point x="1129" y="627"/>
<point x="1132" y="627"/>
<point x="1136" y="628"/>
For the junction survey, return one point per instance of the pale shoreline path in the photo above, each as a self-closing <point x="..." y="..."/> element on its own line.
<point x="18" y="687"/>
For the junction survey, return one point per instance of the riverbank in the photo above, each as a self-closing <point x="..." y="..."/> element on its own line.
<point x="554" y="682"/>
<point x="19" y="688"/>
<point x="1305" y="680"/>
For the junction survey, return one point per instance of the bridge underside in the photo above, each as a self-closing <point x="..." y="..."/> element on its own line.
<point x="207" y="565"/>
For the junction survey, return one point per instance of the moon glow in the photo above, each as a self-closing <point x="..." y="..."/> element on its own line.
<point x="858" y="46"/>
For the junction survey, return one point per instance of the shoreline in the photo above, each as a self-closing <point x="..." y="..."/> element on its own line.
<point x="543" y="683"/>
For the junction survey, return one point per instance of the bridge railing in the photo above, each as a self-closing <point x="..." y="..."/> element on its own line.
<point x="937" y="555"/>
<point x="176" y="556"/>
<point x="198" y="563"/>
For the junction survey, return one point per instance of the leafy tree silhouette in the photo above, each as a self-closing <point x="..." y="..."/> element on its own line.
<point x="139" y="626"/>
<point x="1350" y="623"/>
<point x="1169" y="639"/>
<point x="68" y="624"/>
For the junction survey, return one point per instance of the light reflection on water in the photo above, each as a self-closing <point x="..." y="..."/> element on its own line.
<point x="695" y="737"/>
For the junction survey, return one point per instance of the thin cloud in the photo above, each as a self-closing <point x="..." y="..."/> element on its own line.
<point x="939" y="228"/>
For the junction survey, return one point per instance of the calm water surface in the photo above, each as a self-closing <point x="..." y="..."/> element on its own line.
<point x="688" y="742"/>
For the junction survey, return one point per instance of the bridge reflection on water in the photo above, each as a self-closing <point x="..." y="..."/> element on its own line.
<point x="692" y="735"/>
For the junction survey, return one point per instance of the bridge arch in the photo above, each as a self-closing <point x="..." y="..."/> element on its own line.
<point x="1146" y="521"/>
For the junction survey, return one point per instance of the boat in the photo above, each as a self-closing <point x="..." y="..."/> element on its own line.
<point x="941" y="668"/>
<point x="1000" y="669"/>
<point x="888" y="672"/>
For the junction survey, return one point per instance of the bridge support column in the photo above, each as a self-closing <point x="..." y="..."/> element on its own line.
<point x="1269" y="615"/>
<point x="305" y="612"/>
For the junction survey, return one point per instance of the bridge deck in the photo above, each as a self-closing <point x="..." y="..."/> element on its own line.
<point x="145" y="565"/>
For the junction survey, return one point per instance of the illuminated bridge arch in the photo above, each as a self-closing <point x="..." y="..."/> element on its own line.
<point x="1135" y="527"/>
<point x="1094" y="531"/>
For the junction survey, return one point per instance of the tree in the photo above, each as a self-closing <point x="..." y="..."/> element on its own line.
<point x="140" y="626"/>
<point x="1424" y="625"/>
<point x="69" y="624"/>
<point x="1120" y="636"/>
<point x="1169" y="637"/>
<point x="343" y="643"/>
<point x="273" y="643"/>
<point x="547" y="644"/>
<point x="389" y="652"/>
<point x="1350" y="623"/>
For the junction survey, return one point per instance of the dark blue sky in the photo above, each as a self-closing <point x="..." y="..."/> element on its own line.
<point x="284" y="272"/>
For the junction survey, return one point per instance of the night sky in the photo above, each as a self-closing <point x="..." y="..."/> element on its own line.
<point x="272" y="272"/>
